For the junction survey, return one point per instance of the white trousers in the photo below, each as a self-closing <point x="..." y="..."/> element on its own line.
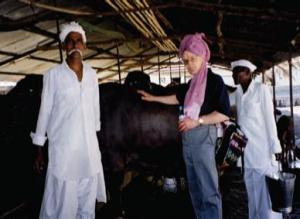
<point x="259" y="202"/>
<point x="74" y="199"/>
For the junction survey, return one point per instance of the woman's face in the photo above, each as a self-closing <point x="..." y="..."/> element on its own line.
<point x="192" y="62"/>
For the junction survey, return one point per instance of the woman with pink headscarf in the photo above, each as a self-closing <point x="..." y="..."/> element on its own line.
<point x="206" y="103"/>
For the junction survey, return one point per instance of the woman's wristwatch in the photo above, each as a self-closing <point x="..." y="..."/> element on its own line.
<point x="200" y="121"/>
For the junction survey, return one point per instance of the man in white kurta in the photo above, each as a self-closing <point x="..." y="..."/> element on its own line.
<point x="70" y="116"/>
<point x="256" y="119"/>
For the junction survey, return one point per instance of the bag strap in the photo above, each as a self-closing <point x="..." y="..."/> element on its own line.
<point x="243" y="158"/>
<point x="243" y="163"/>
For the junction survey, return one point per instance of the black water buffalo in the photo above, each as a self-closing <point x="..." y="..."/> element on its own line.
<point x="137" y="135"/>
<point x="130" y="126"/>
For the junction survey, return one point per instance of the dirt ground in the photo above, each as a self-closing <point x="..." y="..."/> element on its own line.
<point x="142" y="199"/>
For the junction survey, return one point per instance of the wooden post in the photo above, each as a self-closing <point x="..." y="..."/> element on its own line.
<point x="118" y="59"/>
<point x="158" y="66"/>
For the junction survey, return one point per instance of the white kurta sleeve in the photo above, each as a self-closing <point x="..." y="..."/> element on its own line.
<point x="268" y="111"/>
<point x="39" y="137"/>
<point x="97" y="106"/>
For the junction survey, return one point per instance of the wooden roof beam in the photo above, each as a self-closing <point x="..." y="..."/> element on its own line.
<point x="146" y="68"/>
<point x="78" y="13"/>
<point x="36" y="30"/>
<point x="8" y="24"/>
<point x="99" y="52"/>
<point x="13" y="73"/>
<point x="134" y="56"/>
<point x="11" y="25"/>
<point x="178" y="36"/>
<point x="121" y="62"/>
<point x="44" y="59"/>
<point x="29" y="52"/>
<point x="234" y="10"/>
<point x="267" y="13"/>
<point x="7" y="53"/>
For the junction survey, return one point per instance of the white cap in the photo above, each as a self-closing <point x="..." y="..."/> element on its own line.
<point x="243" y="63"/>
<point x="71" y="27"/>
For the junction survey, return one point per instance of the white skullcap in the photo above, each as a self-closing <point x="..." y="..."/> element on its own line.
<point x="71" y="27"/>
<point x="243" y="63"/>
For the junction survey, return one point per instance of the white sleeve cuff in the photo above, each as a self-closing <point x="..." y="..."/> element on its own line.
<point x="276" y="146"/>
<point x="38" y="139"/>
<point x="98" y="126"/>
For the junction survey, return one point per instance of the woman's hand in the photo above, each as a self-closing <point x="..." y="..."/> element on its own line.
<point x="187" y="124"/>
<point x="169" y="99"/>
<point x="146" y="96"/>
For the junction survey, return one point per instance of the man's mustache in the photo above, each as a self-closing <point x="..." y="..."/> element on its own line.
<point x="75" y="50"/>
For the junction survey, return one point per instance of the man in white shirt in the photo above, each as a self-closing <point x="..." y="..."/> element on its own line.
<point x="256" y="119"/>
<point x="70" y="116"/>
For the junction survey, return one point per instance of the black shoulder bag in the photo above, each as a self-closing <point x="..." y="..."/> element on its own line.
<point x="231" y="146"/>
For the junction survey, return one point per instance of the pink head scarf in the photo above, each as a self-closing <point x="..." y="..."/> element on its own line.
<point x="194" y="98"/>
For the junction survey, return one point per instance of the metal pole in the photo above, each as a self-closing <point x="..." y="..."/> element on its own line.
<point x="184" y="73"/>
<point x="142" y="64"/>
<point x="158" y="65"/>
<point x="179" y="73"/>
<point x="291" y="94"/>
<point x="118" y="59"/>
<point x="274" y="91"/>
<point x="170" y="68"/>
<point x="58" y="31"/>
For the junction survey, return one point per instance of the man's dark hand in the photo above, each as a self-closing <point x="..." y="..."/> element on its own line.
<point x="278" y="156"/>
<point x="39" y="162"/>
